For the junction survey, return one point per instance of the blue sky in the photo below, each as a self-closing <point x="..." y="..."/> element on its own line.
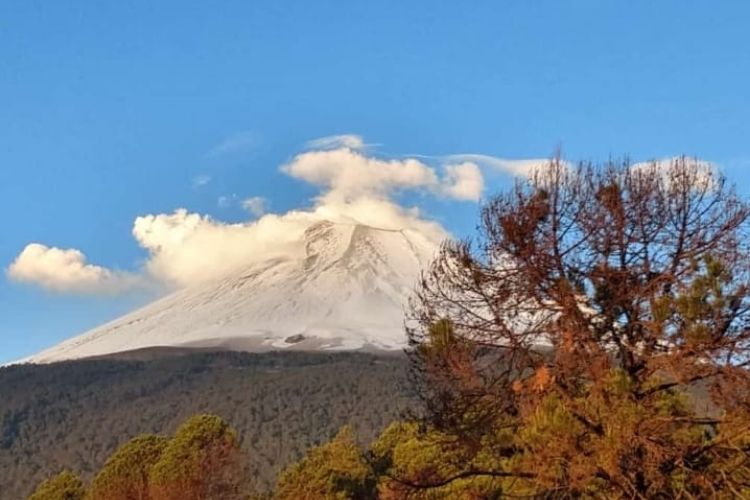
<point x="113" y="110"/>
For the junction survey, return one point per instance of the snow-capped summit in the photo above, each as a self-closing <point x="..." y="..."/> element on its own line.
<point x="344" y="288"/>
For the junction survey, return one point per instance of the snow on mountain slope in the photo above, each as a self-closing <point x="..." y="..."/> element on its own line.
<point x="344" y="288"/>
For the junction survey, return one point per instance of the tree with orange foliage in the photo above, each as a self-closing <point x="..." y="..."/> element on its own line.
<point x="125" y="474"/>
<point x="201" y="462"/>
<point x="594" y="342"/>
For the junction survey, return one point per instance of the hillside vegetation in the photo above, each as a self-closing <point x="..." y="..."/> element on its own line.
<point x="73" y="415"/>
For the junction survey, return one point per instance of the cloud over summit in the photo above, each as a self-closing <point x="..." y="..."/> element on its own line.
<point x="349" y="174"/>
<point x="185" y="248"/>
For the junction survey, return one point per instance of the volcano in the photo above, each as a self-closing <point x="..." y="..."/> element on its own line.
<point x="344" y="288"/>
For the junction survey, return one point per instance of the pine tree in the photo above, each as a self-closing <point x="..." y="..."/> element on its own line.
<point x="64" y="486"/>
<point x="201" y="462"/>
<point x="125" y="474"/>
<point x="335" y="470"/>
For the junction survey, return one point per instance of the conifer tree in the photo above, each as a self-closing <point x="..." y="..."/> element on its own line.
<point x="201" y="462"/>
<point x="335" y="470"/>
<point x="125" y="474"/>
<point x="64" y="486"/>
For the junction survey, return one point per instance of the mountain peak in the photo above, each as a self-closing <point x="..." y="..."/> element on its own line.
<point x="346" y="289"/>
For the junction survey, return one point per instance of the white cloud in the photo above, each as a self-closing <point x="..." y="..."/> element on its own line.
<point x="349" y="174"/>
<point x="464" y="181"/>
<point x="184" y="248"/>
<point x="350" y="141"/>
<point x="188" y="248"/>
<point x="255" y="205"/>
<point x="703" y="174"/>
<point x="521" y="168"/>
<point x="66" y="270"/>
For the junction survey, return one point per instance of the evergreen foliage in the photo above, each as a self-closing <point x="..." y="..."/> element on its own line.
<point x="125" y="475"/>
<point x="63" y="486"/>
<point x="335" y="470"/>
<point x="76" y="414"/>
<point x="405" y="456"/>
<point x="201" y="462"/>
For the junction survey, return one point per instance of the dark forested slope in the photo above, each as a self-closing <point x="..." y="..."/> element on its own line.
<point x="74" y="414"/>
